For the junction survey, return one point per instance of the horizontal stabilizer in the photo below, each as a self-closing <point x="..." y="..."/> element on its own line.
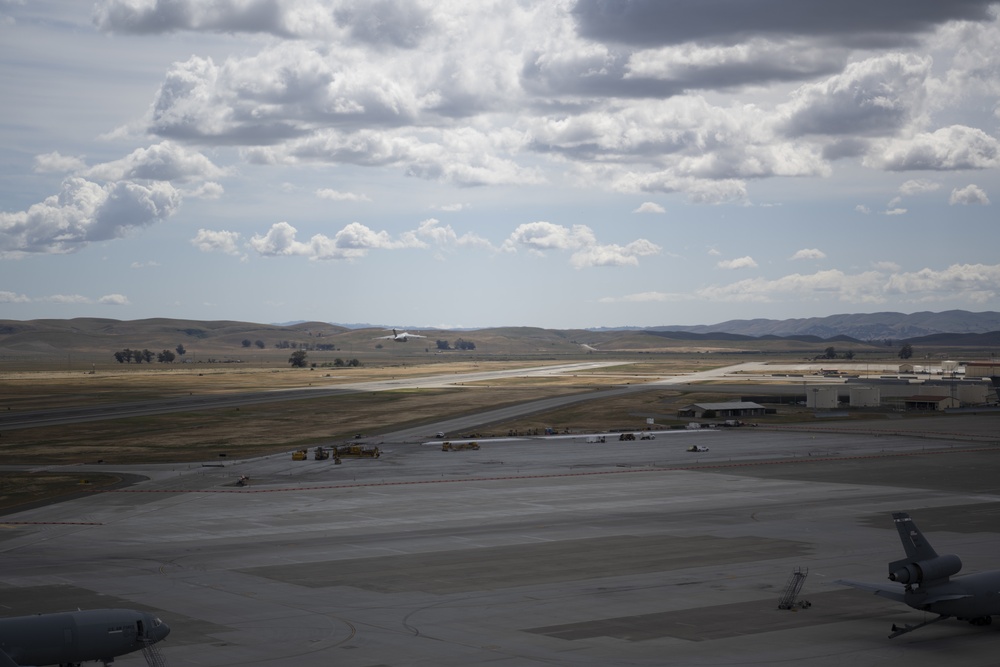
<point x="944" y="598"/>
<point x="890" y="592"/>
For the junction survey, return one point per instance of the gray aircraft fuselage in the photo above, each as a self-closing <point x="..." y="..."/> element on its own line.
<point x="77" y="636"/>
<point x="976" y="596"/>
<point x="923" y="580"/>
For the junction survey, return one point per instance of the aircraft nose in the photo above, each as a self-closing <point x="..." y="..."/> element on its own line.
<point x="158" y="630"/>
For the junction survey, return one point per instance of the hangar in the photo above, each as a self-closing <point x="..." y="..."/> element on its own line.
<point x="727" y="409"/>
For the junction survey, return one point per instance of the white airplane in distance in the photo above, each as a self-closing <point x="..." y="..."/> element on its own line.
<point x="400" y="336"/>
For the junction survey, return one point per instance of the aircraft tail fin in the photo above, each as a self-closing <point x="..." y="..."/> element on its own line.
<point x="916" y="545"/>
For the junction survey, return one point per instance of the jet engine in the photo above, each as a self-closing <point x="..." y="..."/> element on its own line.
<point x="915" y="572"/>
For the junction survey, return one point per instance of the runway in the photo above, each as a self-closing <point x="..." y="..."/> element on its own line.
<point x="526" y="552"/>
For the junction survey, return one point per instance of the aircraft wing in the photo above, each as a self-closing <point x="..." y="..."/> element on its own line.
<point x="890" y="592"/>
<point x="5" y="660"/>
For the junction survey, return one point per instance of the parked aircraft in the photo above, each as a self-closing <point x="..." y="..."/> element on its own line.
<point x="73" y="637"/>
<point x="400" y="337"/>
<point x="926" y="584"/>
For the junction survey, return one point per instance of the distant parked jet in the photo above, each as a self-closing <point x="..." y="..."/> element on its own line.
<point x="73" y="637"/>
<point x="926" y="584"/>
<point x="400" y="337"/>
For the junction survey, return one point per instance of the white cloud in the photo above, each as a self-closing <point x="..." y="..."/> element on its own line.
<point x="745" y="262"/>
<point x="13" y="297"/>
<point x="966" y="282"/>
<point x="114" y="300"/>
<point x="165" y="161"/>
<point x="539" y="237"/>
<point x="336" y="195"/>
<point x="353" y="241"/>
<point x="970" y="194"/>
<point x="886" y="266"/>
<point x="207" y="240"/>
<point x="949" y="148"/>
<point x="650" y="207"/>
<point x="918" y="186"/>
<point x="55" y="163"/>
<point x="808" y="253"/>
<point x="67" y="299"/>
<point x="861" y="208"/>
<point x="874" y="97"/>
<point x="972" y="281"/>
<point x="894" y="211"/>
<point x="84" y="212"/>
<point x="443" y="235"/>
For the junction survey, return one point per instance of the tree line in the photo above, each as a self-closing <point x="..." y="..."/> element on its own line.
<point x="130" y="356"/>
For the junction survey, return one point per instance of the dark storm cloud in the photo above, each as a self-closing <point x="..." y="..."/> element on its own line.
<point x="651" y="23"/>
<point x="613" y="76"/>
<point x="263" y="16"/>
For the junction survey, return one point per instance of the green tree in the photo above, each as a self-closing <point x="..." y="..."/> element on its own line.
<point x="830" y="353"/>
<point x="180" y="350"/>
<point x="246" y="342"/>
<point x="165" y="357"/>
<point x="906" y="351"/>
<point x="298" y="359"/>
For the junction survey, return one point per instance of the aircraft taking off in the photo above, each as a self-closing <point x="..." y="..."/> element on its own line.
<point x="926" y="584"/>
<point x="400" y="337"/>
<point x="73" y="637"/>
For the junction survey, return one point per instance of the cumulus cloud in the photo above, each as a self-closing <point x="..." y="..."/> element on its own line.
<point x="949" y="148"/>
<point x="207" y="240"/>
<point x="539" y="237"/>
<point x="54" y="162"/>
<point x="353" y="241"/>
<point x="650" y="207"/>
<point x="808" y="253"/>
<point x="970" y="194"/>
<point x="114" y="300"/>
<point x="85" y="212"/>
<point x="973" y="283"/>
<point x="165" y="161"/>
<point x="918" y="186"/>
<point x="874" y="97"/>
<point x="445" y="236"/>
<point x="337" y="195"/>
<point x="13" y="297"/>
<point x="745" y="262"/>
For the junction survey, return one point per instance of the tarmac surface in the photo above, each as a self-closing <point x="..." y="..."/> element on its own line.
<point x="529" y="551"/>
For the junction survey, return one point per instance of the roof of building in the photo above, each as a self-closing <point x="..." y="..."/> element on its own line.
<point x="729" y="405"/>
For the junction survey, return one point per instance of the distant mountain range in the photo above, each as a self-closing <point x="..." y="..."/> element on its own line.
<point x="955" y="328"/>
<point x="865" y="327"/>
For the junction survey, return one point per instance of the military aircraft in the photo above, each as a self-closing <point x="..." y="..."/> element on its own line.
<point x="925" y="582"/>
<point x="400" y="337"/>
<point x="73" y="637"/>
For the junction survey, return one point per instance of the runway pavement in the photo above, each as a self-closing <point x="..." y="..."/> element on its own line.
<point x="528" y="551"/>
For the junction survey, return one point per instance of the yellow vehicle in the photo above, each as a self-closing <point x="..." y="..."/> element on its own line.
<point x="300" y="455"/>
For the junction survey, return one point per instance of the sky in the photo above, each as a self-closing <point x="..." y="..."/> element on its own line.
<point x="559" y="164"/>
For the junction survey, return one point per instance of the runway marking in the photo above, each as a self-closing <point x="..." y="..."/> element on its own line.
<point x="51" y="523"/>
<point x="619" y="471"/>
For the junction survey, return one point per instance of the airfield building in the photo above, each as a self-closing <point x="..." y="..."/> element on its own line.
<point x="729" y="409"/>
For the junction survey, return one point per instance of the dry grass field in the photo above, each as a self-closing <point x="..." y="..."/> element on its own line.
<point x="265" y="428"/>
